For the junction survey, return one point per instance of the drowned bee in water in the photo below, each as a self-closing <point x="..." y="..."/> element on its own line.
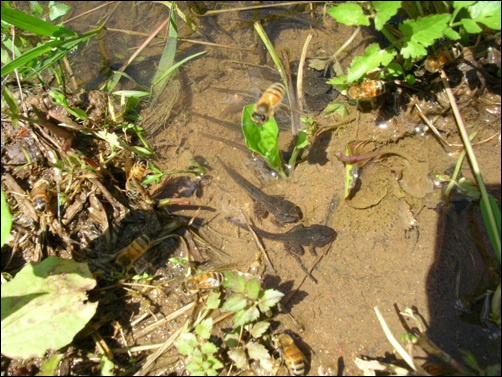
<point x="203" y="281"/>
<point x="367" y="90"/>
<point x="40" y="195"/>
<point x="443" y="56"/>
<point x="264" y="109"/>
<point x="293" y="357"/>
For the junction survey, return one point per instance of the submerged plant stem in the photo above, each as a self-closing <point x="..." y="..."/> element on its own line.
<point x="492" y="224"/>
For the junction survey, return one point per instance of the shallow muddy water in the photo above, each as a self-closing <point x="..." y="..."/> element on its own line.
<point x="398" y="245"/>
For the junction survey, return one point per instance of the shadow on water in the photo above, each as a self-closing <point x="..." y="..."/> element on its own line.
<point x="464" y="270"/>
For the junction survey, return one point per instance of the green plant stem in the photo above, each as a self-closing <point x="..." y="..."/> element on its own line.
<point x="271" y="50"/>
<point x="474" y="164"/>
<point x="458" y="166"/>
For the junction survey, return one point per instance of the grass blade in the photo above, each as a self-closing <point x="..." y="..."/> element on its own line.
<point x="34" y="25"/>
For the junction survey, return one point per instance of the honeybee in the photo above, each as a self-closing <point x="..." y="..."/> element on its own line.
<point x="204" y="280"/>
<point x="40" y="195"/>
<point x="294" y="358"/>
<point x="367" y="90"/>
<point x="136" y="174"/>
<point x="443" y="55"/>
<point x="264" y="109"/>
<point x="126" y="257"/>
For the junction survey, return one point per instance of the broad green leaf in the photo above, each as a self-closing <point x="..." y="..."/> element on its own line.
<point x="471" y="26"/>
<point x="44" y="307"/>
<point x="385" y="11"/>
<point x="195" y="369"/>
<point x="259" y="329"/>
<point x="204" y="328"/>
<point x="257" y="351"/>
<point x="186" y="343"/>
<point x="232" y="338"/>
<point x="213" y="300"/>
<point x="238" y="356"/>
<point x="336" y="108"/>
<point x="50" y="366"/>
<point x="349" y="14"/>
<point x="235" y="303"/>
<point x="269" y="298"/>
<point x="263" y="139"/>
<point x="57" y="10"/>
<point x="252" y="289"/>
<point x="105" y="365"/>
<point x="394" y="70"/>
<point x="244" y="317"/>
<point x="36" y="9"/>
<point x="486" y="13"/>
<point x="208" y="348"/>
<point x="234" y="281"/>
<point x="462" y="4"/>
<point x="215" y="364"/>
<point x="302" y="140"/>
<point x="451" y="34"/>
<point x="34" y="25"/>
<point x="373" y="57"/>
<point x="421" y="33"/>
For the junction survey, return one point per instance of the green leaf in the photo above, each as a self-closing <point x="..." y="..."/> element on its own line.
<point x="395" y="70"/>
<point x="385" y="11"/>
<point x="252" y="289"/>
<point x="257" y="351"/>
<point x="259" y="329"/>
<point x="60" y="47"/>
<point x="246" y="316"/>
<point x="336" y="108"/>
<point x="471" y="26"/>
<point x="44" y="307"/>
<point x="349" y="14"/>
<point x="50" y="366"/>
<point x="34" y="25"/>
<point x="339" y="80"/>
<point x="373" y="57"/>
<point x="57" y="10"/>
<point x="486" y="13"/>
<point x="195" y="369"/>
<point x="12" y="103"/>
<point x="36" y="9"/>
<point x="213" y="300"/>
<point x="204" y="328"/>
<point x="234" y="281"/>
<point x="269" y="298"/>
<point x="215" y="363"/>
<point x="235" y="303"/>
<point x="457" y="5"/>
<point x="238" y="356"/>
<point x="105" y="365"/>
<point x="421" y="33"/>
<point x="208" y="348"/>
<point x="77" y="113"/>
<point x="186" y="343"/>
<point x="302" y="141"/>
<point x="451" y="34"/>
<point x="263" y="139"/>
<point x="232" y="338"/>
